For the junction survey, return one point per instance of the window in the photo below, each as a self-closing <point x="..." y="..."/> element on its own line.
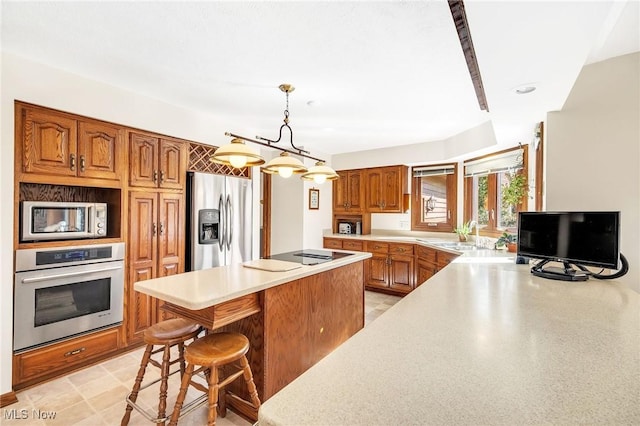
<point x="433" y="197"/>
<point x="496" y="190"/>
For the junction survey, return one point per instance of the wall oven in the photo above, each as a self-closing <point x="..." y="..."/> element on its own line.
<point x="62" y="292"/>
<point x="55" y="220"/>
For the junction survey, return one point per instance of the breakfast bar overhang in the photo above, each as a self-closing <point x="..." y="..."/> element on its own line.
<point x="292" y="318"/>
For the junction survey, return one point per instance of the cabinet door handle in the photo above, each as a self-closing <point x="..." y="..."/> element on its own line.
<point x="493" y="214"/>
<point x="161" y="228"/>
<point x="72" y="161"/>
<point x="155" y="176"/>
<point x="75" y="351"/>
<point x="82" y="163"/>
<point x="155" y="229"/>
<point x="448" y="214"/>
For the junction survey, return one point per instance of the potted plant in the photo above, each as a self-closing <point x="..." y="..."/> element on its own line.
<point x="463" y="230"/>
<point x="508" y="240"/>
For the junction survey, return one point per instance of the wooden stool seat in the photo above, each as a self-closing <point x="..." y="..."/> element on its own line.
<point x="165" y="334"/>
<point x="217" y="349"/>
<point x="170" y="332"/>
<point x="210" y="353"/>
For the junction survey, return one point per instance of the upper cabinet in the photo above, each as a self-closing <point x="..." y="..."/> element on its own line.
<point x="99" y="150"/>
<point x="56" y="144"/>
<point x="348" y="192"/>
<point x="386" y="187"/>
<point x="156" y="162"/>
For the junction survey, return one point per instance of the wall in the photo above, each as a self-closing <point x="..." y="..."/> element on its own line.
<point x="593" y="150"/>
<point x="39" y="84"/>
<point x="290" y="213"/>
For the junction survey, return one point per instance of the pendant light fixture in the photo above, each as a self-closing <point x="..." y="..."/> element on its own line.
<point x="320" y="173"/>
<point x="237" y="154"/>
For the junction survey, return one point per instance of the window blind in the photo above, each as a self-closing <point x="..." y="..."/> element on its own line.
<point x="511" y="160"/>
<point x="441" y="169"/>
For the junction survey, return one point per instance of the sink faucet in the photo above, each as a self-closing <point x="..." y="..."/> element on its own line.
<point x="471" y="225"/>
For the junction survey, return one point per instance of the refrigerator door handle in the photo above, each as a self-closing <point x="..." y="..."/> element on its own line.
<point x="223" y="222"/>
<point x="229" y="222"/>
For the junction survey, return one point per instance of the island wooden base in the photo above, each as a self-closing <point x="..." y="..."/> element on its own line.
<point x="290" y="327"/>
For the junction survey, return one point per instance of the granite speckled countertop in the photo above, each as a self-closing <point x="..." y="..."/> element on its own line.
<point x="482" y="342"/>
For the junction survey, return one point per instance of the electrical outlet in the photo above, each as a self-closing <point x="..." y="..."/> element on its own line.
<point x="404" y="224"/>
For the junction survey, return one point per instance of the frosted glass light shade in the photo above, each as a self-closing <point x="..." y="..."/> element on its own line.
<point x="320" y="173"/>
<point x="284" y="165"/>
<point x="237" y="154"/>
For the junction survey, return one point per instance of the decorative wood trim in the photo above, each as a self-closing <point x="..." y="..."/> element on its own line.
<point x="539" y="172"/>
<point x="8" y="399"/>
<point x="219" y="315"/>
<point x="266" y="215"/>
<point x="464" y="34"/>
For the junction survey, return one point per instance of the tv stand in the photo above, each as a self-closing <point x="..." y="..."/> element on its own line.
<point x="566" y="273"/>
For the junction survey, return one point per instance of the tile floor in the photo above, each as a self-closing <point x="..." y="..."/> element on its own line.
<point x="95" y="396"/>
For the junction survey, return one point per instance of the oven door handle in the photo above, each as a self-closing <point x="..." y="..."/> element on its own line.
<point x="69" y="274"/>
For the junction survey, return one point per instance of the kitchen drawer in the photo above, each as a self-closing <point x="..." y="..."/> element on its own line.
<point x="66" y="355"/>
<point x="445" y="258"/>
<point x="377" y="247"/>
<point x="427" y="254"/>
<point x="352" y="245"/>
<point x="332" y="243"/>
<point x="406" y="249"/>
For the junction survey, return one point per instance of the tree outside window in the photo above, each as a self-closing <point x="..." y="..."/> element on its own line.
<point x="496" y="190"/>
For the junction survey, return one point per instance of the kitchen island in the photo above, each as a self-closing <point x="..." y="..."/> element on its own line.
<point x="482" y="342"/>
<point x="292" y="318"/>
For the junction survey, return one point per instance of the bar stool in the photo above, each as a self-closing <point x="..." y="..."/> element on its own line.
<point x="211" y="352"/>
<point x="165" y="334"/>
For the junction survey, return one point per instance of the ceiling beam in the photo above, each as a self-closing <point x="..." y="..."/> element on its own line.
<point x="464" y="34"/>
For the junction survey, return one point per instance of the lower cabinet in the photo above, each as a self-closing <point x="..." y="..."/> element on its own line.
<point x="396" y="268"/>
<point x="391" y="267"/>
<point x="40" y="364"/>
<point x="156" y="238"/>
<point x="430" y="261"/>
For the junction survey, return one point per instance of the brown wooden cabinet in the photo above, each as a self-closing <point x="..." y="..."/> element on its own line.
<point x="391" y="267"/>
<point x="386" y="187"/>
<point x="100" y="150"/>
<point x="430" y="261"/>
<point x="394" y="267"/>
<point x="156" y="162"/>
<point x="156" y="241"/>
<point x="57" y="144"/>
<point x="348" y="194"/>
<point x="342" y="243"/>
<point x="42" y="363"/>
<point x="427" y="264"/>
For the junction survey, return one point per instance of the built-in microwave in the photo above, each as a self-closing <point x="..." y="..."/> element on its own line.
<point x="47" y="220"/>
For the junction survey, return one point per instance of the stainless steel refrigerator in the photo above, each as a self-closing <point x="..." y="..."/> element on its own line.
<point x="219" y="220"/>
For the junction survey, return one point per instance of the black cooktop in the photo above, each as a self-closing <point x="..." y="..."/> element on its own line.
<point x="309" y="257"/>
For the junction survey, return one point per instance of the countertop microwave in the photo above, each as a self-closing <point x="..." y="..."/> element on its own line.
<point x="49" y="220"/>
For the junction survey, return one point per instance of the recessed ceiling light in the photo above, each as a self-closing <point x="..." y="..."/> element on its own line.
<point x="524" y="89"/>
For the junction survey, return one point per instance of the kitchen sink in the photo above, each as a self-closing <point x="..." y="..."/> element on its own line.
<point x="457" y="246"/>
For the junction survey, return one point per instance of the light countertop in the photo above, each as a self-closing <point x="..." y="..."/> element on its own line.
<point x="208" y="287"/>
<point x="482" y="342"/>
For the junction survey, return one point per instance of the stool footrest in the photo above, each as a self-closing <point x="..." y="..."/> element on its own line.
<point x="186" y="409"/>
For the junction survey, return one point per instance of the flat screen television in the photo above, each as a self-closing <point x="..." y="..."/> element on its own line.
<point x="578" y="238"/>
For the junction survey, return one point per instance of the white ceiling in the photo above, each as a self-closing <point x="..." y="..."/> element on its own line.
<point x="367" y="74"/>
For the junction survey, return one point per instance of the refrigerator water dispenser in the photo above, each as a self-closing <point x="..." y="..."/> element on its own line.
<point x="208" y="226"/>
